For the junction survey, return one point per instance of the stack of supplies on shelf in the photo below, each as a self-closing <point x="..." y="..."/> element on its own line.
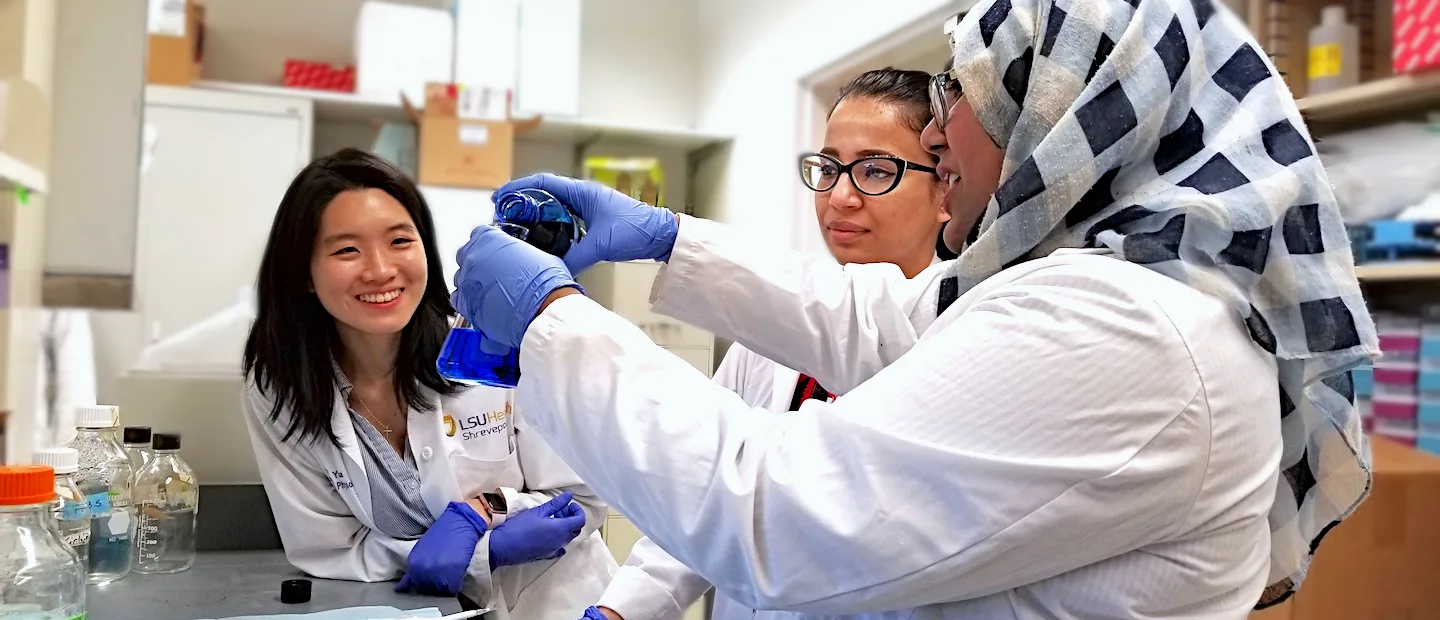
<point x="1416" y="36"/>
<point x="1428" y="413"/>
<point x="318" y="76"/>
<point x="1394" y="240"/>
<point x="1363" y="379"/>
<point x="1396" y="395"/>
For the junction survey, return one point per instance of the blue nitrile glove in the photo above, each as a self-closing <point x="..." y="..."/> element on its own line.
<point x="501" y="283"/>
<point x="439" y="560"/>
<point x="539" y="533"/>
<point x="593" y="613"/>
<point x="617" y="227"/>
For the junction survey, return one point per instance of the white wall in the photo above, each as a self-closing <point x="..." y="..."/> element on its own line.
<point x="753" y="56"/>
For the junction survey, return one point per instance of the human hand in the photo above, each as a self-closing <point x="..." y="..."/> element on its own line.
<point x="617" y="227"/>
<point x="539" y="533"/>
<point x="502" y="282"/>
<point x="599" y="613"/>
<point x="438" y="562"/>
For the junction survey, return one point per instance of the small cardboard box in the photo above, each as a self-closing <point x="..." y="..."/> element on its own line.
<point x="461" y="152"/>
<point x="175" y="46"/>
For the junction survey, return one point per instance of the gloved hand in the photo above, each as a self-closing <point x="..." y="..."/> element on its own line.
<point x="617" y="227"/>
<point x="594" y="613"/>
<point x="439" y="560"/>
<point x="502" y="281"/>
<point x="539" y="533"/>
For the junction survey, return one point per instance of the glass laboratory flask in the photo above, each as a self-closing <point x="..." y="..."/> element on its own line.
<point x="552" y="226"/>
<point x="71" y="511"/>
<point x="467" y="357"/>
<point x="168" y="499"/>
<point x="40" y="577"/>
<point x="106" y="479"/>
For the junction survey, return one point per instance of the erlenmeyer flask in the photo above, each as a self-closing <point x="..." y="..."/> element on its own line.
<point x="468" y="357"/>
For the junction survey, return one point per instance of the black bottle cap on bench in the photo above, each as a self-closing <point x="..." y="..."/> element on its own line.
<point x="295" y="591"/>
<point x="136" y="434"/>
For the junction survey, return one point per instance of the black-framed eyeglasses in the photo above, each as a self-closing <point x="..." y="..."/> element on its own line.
<point x="872" y="175"/>
<point x="944" y="92"/>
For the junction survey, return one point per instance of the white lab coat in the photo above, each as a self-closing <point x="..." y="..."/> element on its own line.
<point x="653" y="585"/>
<point x="1076" y="437"/>
<point x="469" y="445"/>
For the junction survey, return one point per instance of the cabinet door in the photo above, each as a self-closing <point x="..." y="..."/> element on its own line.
<point x="207" y="200"/>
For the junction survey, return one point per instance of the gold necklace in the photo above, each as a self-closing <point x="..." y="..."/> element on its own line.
<point x="373" y="418"/>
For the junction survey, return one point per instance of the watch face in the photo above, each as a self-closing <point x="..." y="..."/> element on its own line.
<point x="496" y="502"/>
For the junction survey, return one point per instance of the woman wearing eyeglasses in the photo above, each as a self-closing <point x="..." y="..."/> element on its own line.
<point x="875" y="202"/>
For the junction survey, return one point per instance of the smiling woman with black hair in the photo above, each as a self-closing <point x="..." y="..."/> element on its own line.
<point x="374" y="464"/>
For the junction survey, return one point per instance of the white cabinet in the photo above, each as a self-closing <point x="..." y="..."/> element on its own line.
<point x="215" y="167"/>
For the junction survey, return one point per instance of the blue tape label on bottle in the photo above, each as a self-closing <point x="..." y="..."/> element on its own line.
<point x="74" y="510"/>
<point x="99" y="503"/>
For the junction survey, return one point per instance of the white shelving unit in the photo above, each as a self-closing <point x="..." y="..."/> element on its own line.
<point x="1399" y="271"/>
<point x="1373" y="100"/>
<point x="14" y="172"/>
<point x="353" y="108"/>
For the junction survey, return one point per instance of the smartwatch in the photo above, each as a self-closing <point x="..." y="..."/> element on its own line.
<point x="498" y="507"/>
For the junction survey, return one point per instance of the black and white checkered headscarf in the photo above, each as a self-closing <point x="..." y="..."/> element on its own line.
<point x="1158" y="129"/>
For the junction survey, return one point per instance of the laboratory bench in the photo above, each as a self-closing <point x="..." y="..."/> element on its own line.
<point x="224" y="584"/>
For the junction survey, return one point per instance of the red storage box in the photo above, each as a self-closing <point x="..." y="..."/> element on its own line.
<point x="1417" y="36"/>
<point x="319" y="76"/>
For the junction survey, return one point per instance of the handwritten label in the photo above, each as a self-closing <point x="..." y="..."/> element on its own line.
<point x="99" y="503"/>
<point x="74" y="510"/>
<point x="78" y="537"/>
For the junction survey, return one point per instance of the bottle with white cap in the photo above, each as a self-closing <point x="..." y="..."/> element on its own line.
<point x="105" y="477"/>
<point x="72" y="512"/>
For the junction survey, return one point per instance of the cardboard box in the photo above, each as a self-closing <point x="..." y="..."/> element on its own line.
<point x="1384" y="561"/>
<point x="461" y="152"/>
<point x="174" y="54"/>
<point x="1417" y="38"/>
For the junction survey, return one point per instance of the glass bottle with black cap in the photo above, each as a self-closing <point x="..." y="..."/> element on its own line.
<point x="168" y="499"/>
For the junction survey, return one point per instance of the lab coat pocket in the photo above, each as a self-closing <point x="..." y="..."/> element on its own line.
<point x="484" y="471"/>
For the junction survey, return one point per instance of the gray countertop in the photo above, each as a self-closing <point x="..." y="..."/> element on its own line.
<point x="238" y="583"/>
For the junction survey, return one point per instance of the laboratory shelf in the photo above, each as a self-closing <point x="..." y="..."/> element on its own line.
<point x="1374" y="99"/>
<point x="352" y="108"/>
<point x="15" y="172"/>
<point x="1399" y="270"/>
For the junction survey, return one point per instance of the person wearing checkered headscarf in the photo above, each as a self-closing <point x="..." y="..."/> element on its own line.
<point x="1127" y="398"/>
<point x="1158" y="130"/>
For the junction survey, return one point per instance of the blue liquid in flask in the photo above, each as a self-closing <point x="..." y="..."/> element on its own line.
<point x="464" y="359"/>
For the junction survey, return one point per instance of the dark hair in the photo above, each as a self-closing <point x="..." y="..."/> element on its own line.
<point x="909" y="90"/>
<point x="293" y="341"/>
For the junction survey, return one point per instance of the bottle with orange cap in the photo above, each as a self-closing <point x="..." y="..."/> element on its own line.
<point x="41" y="578"/>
